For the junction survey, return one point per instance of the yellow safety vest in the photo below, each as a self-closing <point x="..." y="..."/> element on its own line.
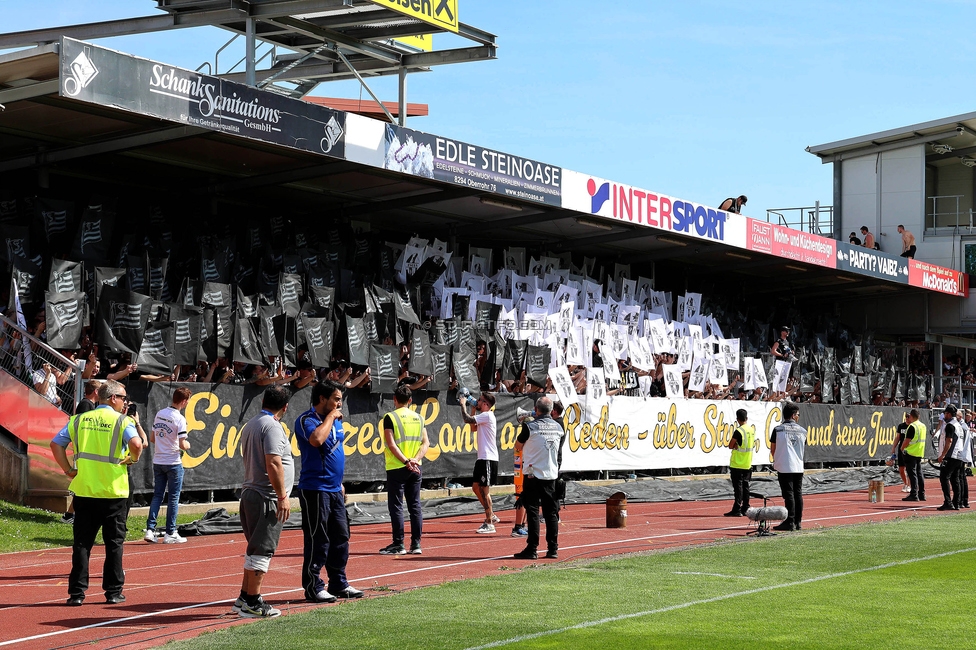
<point x="917" y="447"/>
<point x="408" y="433"/>
<point x="99" y="452"/>
<point x="742" y="457"/>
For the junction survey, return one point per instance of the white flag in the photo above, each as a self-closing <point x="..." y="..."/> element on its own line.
<point x="673" y="383"/>
<point x="563" y="385"/>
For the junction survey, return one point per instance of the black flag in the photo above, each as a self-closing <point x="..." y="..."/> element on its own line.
<point x="65" y="277"/>
<point x="537" y="359"/>
<point x="247" y="347"/>
<point x="186" y="334"/>
<point x="106" y="276"/>
<point x="358" y="341"/>
<point x="65" y="314"/>
<point x="290" y="293"/>
<point x="323" y="298"/>
<point x="319" y="333"/>
<point x="216" y="294"/>
<point x="384" y="368"/>
<point x="94" y="234"/>
<point x="514" y="360"/>
<point x="464" y="371"/>
<point x="156" y="354"/>
<point x="441" y="363"/>
<point x="420" y="359"/>
<point x="122" y="318"/>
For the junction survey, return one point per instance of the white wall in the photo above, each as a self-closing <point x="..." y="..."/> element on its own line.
<point x="859" y="194"/>
<point x="902" y="195"/>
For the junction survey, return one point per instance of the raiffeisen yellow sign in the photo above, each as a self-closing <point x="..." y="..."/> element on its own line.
<point x="442" y="13"/>
<point x="423" y="42"/>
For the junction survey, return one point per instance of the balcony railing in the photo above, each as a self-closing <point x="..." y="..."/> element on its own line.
<point x="815" y="219"/>
<point x="943" y="216"/>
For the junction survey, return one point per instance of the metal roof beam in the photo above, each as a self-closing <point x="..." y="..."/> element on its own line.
<point x="310" y="29"/>
<point x="608" y="238"/>
<point x="523" y="219"/>
<point x="29" y="91"/>
<point x="888" y="146"/>
<point x="278" y="178"/>
<point x="123" y="27"/>
<point x="409" y="201"/>
<point x="114" y="145"/>
<point x="475" y="34"/>
<point x="442" y="57"/>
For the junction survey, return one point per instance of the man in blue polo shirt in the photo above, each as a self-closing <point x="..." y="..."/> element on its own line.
<point x="322" y="497"/>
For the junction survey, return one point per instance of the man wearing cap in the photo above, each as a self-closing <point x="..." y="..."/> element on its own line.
<point x="781" y="348"/>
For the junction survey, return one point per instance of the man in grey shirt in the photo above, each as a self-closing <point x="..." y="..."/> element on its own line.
<point x="269" y="473"/>
<point x="787" y="443"/>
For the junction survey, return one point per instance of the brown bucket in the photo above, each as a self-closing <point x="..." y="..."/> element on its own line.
<point x="617" y="511"/>
<point x="876" y="491"/>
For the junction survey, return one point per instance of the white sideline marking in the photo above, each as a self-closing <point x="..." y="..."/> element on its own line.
<point x="705" y="601"/>
<point x="454" y="564"/>
<point x="713" y="575"/>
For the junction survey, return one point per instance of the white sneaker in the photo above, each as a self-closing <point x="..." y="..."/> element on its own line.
<point x="906" y="488"/>
<point x="150" y="536"/>
<point x="495" y="519"/>
<point x="486" y="529"/>
<point x="238" y="605"/>
<point x="173" y="539"/>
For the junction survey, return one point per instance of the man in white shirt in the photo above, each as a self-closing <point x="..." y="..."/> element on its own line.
<point x="168" y="435"/>
<point x="486" y="467"/>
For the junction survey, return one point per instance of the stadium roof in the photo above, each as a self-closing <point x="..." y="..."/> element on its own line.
<point x="958" y="132"/>
<point x="112" y="143"/>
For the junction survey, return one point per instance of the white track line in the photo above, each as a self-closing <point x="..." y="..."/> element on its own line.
<point x="705" y="601"/>
<point x="415" y="570"/>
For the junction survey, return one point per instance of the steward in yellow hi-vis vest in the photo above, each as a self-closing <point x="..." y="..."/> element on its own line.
<point x="105" y="442"/>
<point x="914" y="451"/>
<point x="406" y="444"/>
<point x="740" y="465"/>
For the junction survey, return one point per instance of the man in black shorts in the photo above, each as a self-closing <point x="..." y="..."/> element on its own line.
<point x="486" y="467"/>
<point x="269" y="473"/>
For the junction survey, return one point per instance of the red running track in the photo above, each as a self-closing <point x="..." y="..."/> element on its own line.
<point x="178" y="591"/>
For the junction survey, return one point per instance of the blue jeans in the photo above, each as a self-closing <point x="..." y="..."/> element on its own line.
<point x="170" y="476"/>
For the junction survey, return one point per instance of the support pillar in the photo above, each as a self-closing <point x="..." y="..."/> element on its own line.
<point x="402" y="108"/>
<point x="250" y="75"/>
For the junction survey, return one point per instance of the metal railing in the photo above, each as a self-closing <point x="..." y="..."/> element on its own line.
<point x="40" y="367"/>
<point x="950" y="220"/>
<point x="815" y="219"/>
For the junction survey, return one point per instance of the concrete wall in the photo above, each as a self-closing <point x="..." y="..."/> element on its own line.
<point x="902" y="191"/>
<point x="859" y="194"/>
<point x="13" y="468"/>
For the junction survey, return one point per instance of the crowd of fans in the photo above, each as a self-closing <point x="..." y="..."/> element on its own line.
<point x="827" y="361"/>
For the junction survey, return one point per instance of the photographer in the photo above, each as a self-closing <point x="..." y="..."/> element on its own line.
<point x="781" y="348"/>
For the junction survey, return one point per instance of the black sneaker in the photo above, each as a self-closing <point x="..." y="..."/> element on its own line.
<point x="910" y="498"/>
<point x="259" y="610"/>
<point x="526" y="554"/>
<point x="786" y="526"/>
<point x="393" y="549"/>
<point x="415" y="549"/>
<point x="552" y="555"/>
<point x="947" y="506"/>
<point x="68" y="517"/>
<point x="115" y="599"/>
<point x="733" y="513"/>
